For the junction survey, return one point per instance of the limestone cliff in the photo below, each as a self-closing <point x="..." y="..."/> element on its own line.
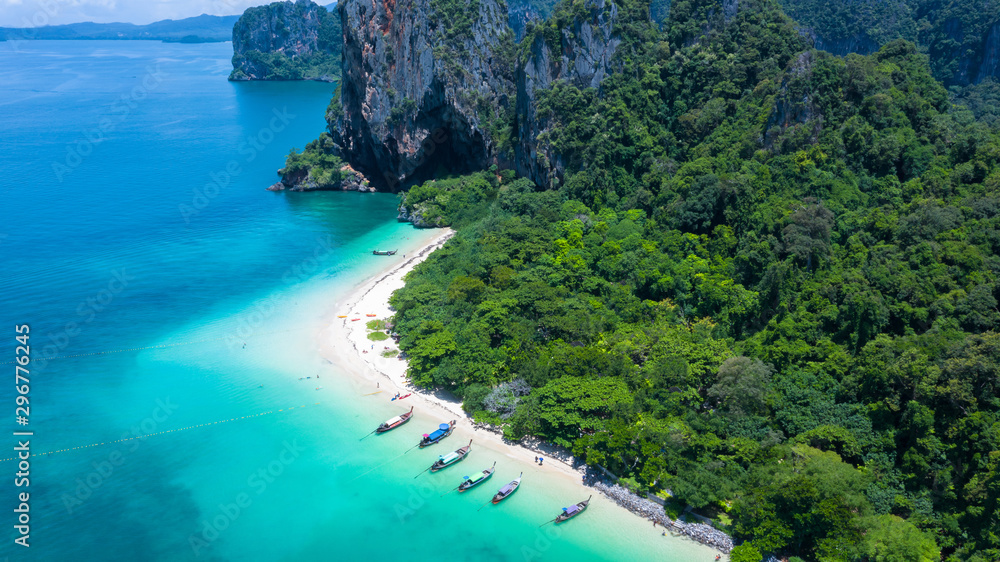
<point x="795" y="105"/>
<point x="581" y="56"/>
<point x="427" y="87"/>
<point x="286" y="41"/>
<point x="522" y="12"/>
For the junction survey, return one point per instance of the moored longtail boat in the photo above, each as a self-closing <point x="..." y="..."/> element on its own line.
<point x="390" y="424"/>
<point x="384" y="252"/>
<point x="454" y="457"/>
<point x="506" y="491"/>
<point x="443" y="430"/>
<point x="572" y="511"/>
<point x="473" y="481"/>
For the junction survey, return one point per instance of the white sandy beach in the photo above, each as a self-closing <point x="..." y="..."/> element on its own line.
<point x="344" y="342"/>
<point x="389" y="374"/>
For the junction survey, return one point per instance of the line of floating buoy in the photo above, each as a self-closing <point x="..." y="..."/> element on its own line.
<point x="145" y="435"/>
<point x="161" y="346"/>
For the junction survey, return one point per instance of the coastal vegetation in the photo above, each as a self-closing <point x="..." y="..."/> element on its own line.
<point x="280" y="66"/>
<point x="766" y="282"/>
<point x="316" y="164"/>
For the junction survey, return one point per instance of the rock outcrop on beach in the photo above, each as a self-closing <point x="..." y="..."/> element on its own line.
<point x="426" y="85"/>
<point x="348" y="179"/>
<point x="318" y="168"/>
<point x="705" y="534"/>
<point x="582" y="57"/>
<point x="287" y="41"/>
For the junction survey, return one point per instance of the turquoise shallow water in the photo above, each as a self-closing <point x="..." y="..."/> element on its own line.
<point x="135" y="219"/>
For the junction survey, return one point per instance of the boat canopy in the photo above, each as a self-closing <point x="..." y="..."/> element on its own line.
<point x="396" y="419"/>
<point x="478" y="477"/>
<point x="449" y="457"/>
<point x="442" y="429"/>
<point x="571" y="509"/>
<point x="506" y="489"/>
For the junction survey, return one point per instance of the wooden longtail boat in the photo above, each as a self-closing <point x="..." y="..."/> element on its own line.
<point x="572" y="511"/>
<point x="390" y="424"/>
<point x="384" y="252"/>
<point x="443" y="430"/>
<point x="472" y="482"/>
<point x="451" y="458"/>
<point x="506" y="491"/>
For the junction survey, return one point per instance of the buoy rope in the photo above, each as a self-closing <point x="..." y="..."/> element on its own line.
<point x="161" y="346"/>
<point x="145" y="435"/>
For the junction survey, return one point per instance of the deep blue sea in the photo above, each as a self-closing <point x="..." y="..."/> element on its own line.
<point x="173" y="306"/>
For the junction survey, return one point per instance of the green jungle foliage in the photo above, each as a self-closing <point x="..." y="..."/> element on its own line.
<point x="323" y="63"/>
<point x="446" y="201"/>
<point x="767" y="282"/>
<point x="317" y="162"/>
<point x="953" y="32"/>
<point x="455" y="17"/>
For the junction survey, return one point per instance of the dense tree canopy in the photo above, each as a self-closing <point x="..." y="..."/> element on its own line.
<point x="767" y="282"/>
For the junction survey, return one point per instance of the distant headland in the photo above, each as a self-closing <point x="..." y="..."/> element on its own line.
<point x="198" y="29"/>
<point x="287" y="41"/>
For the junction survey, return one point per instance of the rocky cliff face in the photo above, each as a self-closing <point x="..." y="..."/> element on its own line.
<point x="962" y="39"/>
<point x="426" y="85"/>
<point x="582" y="57"/>
<point x="990" y="67"/>
<point x="519" y="14"/>
<point x="842" y="46"/>
<point x="794" y="106"/>
<point x="286" y="41"/>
